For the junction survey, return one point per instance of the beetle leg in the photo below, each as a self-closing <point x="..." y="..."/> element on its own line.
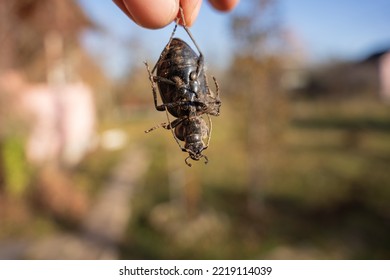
<point x="175" y="104"/>
<point x="216" y="87"/>
<point x="192" y="39"/>
<point x="200" y="61"/>
<point x="200" y="65"/>
<point x="154" y="89"/>
<point x="153" y="80"/>
<point x="206" y="160"/>
<point x="186" y="160"/>
<point x="164" y="80"/>
<point x="155" y="127"/>
<point x="172" y="124"/>
<point x="164" y="105"/>
<point x="170" y="127"/>
<point x="166" y="46"/>
<point x="165" y="125"/>
<point x="178" y="83"/>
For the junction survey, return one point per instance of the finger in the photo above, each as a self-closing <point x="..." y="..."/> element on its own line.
<point x="224" y="5"/>
<point x="153" y="13"/>
<point x="122" y="6"/>
<point x="190" y="10"/>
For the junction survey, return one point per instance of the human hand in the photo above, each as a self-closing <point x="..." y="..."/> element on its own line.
<point x="155" y="14"/>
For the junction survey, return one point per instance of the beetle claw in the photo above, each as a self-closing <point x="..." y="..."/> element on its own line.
<point x="186" y="161"/>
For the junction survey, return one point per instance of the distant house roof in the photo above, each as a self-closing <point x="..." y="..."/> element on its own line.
<point x="65" y="16"/>
<point x="24" y="25"/>
<point x="376" y="55"/>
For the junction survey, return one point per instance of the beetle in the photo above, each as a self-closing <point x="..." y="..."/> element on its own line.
<point x="182" y="84"/>
<point x="182" y="81"/>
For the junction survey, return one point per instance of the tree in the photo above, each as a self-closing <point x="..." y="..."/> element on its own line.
<point x="255" y="78"/>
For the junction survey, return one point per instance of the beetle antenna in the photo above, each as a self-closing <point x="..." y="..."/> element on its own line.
<point x="210" y="130"/>
<point x="171" y="129"/>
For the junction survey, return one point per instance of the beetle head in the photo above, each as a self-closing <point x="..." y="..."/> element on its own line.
<point x="194" y="147"/>
<point x="195" y="157"/>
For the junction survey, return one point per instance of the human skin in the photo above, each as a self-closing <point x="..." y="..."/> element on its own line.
<point x="156" y="14"/>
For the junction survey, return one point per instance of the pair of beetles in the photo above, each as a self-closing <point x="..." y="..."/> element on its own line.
<point x="181" y="81"/>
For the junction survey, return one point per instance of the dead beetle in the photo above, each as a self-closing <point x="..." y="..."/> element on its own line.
<point x="182" y="82"/>
<point x="183" y="88"/>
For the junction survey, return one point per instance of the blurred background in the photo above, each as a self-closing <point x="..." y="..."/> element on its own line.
<point x="298" y="160"/>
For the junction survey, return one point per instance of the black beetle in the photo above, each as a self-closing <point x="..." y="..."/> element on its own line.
<point x="185" y="94"/>
<point x="182" y="82"/>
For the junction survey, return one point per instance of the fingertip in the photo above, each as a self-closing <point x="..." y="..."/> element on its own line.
<point x="152" y="14"/>
<point x="191" y="10"/>
<point x="224" y="5"/>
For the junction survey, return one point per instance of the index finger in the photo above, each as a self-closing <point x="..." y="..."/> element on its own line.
<point x="151" y="14"/>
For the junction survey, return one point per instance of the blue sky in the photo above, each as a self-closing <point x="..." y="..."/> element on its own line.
<point x="342" y="28"/>
<point x="324" y="28"/>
